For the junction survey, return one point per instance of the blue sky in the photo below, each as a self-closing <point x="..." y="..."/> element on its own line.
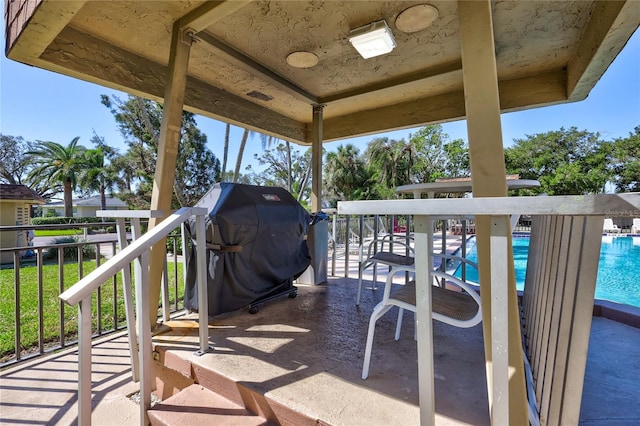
<point x="42" y="105"/>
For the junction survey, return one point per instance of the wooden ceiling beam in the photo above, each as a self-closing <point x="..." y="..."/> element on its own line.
<point x="237" y="58"/>
<point x="542" y="89"/>
<point x="209" y="13"/>
<point x="611" y="25"/>
<point x="74" y="52"/>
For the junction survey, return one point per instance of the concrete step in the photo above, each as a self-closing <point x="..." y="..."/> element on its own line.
<point x="197" y="405"/>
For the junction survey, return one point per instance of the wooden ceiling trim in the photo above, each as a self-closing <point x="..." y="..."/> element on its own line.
<point x="450" y="67"/>
<point x="47" y="21"/>
<point x="95" y="60"/>
<point x="612" y="24"/>
<point x="209" y="13"/>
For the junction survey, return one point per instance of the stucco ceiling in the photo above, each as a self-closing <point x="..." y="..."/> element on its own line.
<point x="547" y="52"/>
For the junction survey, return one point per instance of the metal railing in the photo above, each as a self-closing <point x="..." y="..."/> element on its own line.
<point x="138" y="251"/>
<point x="349" y="235"/>
<point x="39" y="274"/>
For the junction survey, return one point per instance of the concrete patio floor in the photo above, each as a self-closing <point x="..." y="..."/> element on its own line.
<point x="306" y="353"/>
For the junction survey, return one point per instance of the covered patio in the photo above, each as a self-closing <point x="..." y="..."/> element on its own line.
<point x="289" y="70"/>
<point x="304" y="357"/>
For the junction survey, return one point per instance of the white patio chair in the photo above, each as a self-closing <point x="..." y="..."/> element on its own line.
<point x="388" y="254"/>
<point x="460" y="309"/>
<point x="635" y="228"/>
<point x="609" y="226"/>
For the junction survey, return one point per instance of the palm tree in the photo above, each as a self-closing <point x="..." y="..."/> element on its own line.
<point x="243" y="143"/>
<point x="346" y="174"/>
<point x="225" y="152"/>
<point x="97" y="176"/>
<point x="59" y="164"/>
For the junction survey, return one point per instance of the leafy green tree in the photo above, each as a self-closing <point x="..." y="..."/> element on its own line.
<point x="457" y="159"/>
<point x="56" y="163"/>
<point x="286" y="168"/>
<point x="197" y="167"/>
<point x="346" y="175"/>
<point x="13" y="167"/>
<point x="625" y="162"/>
<point x="564" y="161"/>
<point x="139" y="122"/>
<point x="429" y="157"/>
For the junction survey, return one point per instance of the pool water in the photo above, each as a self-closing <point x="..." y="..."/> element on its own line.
<point x="618" y="279"/>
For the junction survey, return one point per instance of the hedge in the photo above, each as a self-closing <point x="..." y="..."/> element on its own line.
<point x="64" y="220"/>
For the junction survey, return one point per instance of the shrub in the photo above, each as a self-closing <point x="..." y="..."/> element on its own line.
<point x="71" y="252"/>
<point x="64" y="220"/>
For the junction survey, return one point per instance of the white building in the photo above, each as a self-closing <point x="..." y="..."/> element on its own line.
<point x="85" y="207"/>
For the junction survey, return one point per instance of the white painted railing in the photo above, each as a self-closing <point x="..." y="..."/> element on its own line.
<point x="80" y="294"/>
<point x="499" y="209"/>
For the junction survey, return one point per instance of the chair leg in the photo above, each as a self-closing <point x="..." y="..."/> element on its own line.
<point x="399" y="322"/>
<point x="359" y="284"/>
<point x="374" y="286"/>
<point x="378" y="311"/>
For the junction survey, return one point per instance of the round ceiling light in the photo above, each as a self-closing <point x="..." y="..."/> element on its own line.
<point x="302" y="59"/>
<point x="416" y="18"/>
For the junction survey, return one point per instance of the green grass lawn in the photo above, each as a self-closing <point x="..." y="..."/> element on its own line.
<point x="53" y="310"/>
<point x="57" y="232"/>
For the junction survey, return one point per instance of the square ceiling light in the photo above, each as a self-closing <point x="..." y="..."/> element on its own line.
<point x="372" y="40"/>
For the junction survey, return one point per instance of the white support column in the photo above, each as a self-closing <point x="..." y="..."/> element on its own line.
<point x="167" y="154"/>
<point x="499" y="321"/>
<point x="316" y="159"/>
<point x="482" y="105"/>
<point x="423" y="228"/>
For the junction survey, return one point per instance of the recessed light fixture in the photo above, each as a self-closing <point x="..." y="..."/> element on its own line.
<point x="416" y="18"/>
<point x="372" y="40"/>
<point x="302" y="59"/>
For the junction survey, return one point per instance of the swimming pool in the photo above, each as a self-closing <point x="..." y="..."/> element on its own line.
<point x="618" y="279"/>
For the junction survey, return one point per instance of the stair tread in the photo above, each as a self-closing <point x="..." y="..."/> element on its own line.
<point x="196" y="404"/>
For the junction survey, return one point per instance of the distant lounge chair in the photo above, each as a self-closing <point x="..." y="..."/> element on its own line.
<point x="609" y="226"/>
<point x="635" y="228"/>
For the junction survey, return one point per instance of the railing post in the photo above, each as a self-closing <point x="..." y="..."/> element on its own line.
<point x="84" y="362"/>
<point x="346" y="245"/>
<point x="203" y="300"/>
<point x="333" y="234"/>
<point x="499" y="252"/>
<point x="128" y="302"/>
<point x="166" y="309"/>
<point x="144" y="326"/>
<point x="185" y="256"/>
<point x="424" y="328"/>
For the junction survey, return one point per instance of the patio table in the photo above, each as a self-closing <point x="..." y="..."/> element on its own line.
<point x="461" y="185"/>
<point x="457" y="186"/>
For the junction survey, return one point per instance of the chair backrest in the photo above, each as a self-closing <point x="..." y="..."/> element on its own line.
<point x="608" y="224"/>
<point x="557" y="308"/>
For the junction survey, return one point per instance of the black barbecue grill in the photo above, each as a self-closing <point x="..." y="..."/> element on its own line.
<point x="256" y="247"/>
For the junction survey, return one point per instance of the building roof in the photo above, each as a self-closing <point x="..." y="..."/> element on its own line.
<point x="20" y="192"/>
<point x="253" y="63"/>
<point x="91" y="202"/>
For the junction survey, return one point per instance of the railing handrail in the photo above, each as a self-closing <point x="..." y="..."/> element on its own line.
<point x="610" y="205"/>
<point x="91" y="282"/>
